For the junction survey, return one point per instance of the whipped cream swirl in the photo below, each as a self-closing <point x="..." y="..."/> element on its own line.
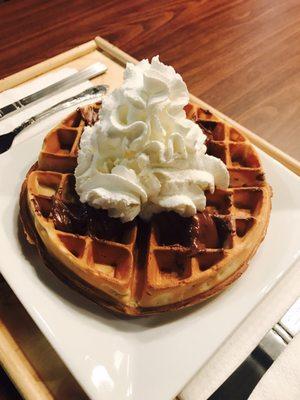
<point x="144" y="156"/>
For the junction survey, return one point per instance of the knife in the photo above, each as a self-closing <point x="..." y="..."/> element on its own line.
<point x="242" y="381"/>
<point x="95" y="92"/>
<point x="78" y="77"/>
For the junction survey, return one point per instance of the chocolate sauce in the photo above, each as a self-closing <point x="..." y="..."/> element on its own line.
<point x="82" y="219"/>
<point x="207" y="125"/>
<point x="197" y="232"/>
<point x="69" y="217"/>
<point x="207" y="112"/>
<point x="104" y="227"/>
<point x="207" y="128"/>
<point x="172" y="229"/>
<point x="203" y="232"/>
<point x="89" y="114"/>
<point x="225" y="230"/>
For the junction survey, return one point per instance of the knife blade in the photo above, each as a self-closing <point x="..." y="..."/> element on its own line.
<point x="78" y="77"/>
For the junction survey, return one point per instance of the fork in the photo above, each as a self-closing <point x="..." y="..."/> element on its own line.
<point x="7" y="139"/>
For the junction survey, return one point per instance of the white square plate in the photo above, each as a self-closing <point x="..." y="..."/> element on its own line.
<point x="149" y="358"/>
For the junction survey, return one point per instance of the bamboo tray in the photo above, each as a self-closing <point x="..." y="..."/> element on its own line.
<point x="25" y="354"/>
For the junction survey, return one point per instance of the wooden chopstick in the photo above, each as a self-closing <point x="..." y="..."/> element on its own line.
<point x="16" y="365"/>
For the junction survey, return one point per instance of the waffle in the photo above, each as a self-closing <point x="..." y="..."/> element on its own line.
<point x="141" y="268"/>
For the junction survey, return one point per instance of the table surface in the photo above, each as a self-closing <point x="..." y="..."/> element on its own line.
<point x="242" y="57"/>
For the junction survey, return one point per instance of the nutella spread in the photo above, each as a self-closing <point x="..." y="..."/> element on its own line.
<point x="82" y="219"/>
<point x="203" y="232"/>
<point x="197" y="232"/>
<point x="207" y="128"/>
<point x="69" y="218"/>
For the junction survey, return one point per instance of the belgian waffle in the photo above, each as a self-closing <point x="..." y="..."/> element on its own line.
<point x="141" y="268"/>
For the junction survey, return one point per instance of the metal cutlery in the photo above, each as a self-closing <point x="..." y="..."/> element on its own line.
<point x="87" y="73"/>
<point x="259" y="361"/>
<point x="7" y="139"/>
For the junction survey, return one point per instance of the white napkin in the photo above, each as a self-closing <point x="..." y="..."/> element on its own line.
<point x="282" y="380"/>
<point x="30" y="87"/>
<point x="245" y="338"/>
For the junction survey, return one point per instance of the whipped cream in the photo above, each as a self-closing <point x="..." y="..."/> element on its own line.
<point x="144" y="156"/>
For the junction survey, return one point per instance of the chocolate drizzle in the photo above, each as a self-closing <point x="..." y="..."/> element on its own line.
<point x="82" y="219"/>
<point x="207" y="127"/>
<point x="224" y="229"/>
<point x="207" y="112"/>
<point x="69" y="218"/>
<point x="102" y="226"/>
<point x="203" y="232"/>
<point x="197" y="232"/>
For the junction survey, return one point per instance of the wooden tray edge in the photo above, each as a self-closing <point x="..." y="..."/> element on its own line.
<point x="38" y="69"/>
<point x="19" y="369"/>
<point x="11" y="356"/>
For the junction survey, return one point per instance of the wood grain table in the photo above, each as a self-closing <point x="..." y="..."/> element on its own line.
<point x="242" y="57"/>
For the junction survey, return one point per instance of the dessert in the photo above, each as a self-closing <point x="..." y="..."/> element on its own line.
<point x="146" y="203"/>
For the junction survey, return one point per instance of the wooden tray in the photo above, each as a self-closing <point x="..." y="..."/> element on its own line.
<point x="25" y="354"/>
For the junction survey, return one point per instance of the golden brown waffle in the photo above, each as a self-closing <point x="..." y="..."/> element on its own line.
<point x="143" y="268"/>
